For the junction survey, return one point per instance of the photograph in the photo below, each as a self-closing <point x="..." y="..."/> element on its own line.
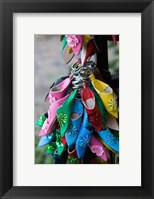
<point x="76" y="99"/>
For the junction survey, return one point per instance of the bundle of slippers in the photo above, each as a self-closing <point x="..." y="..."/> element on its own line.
<point x="80" y="125"/>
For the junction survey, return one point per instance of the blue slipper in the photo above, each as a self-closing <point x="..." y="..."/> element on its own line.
<point x="83" y="140"/>
<point x="75" y="122"/>
<point x="109" y="140"/>
<point x="86" y="122"/>
<point x="46" y="139"/>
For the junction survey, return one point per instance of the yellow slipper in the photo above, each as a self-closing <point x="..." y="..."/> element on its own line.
<point x="106" y="94"/>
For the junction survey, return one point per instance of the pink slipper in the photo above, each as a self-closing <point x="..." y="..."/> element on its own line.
<point x="49" y="123"/>
<point x="58" y="91"/>
<point x="75" y="42"/>
<point x="97" y="147"/>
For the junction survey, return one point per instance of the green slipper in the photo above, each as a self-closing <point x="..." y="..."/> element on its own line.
<point x="100" y="105"/>
<point x="64" y="112"/>
<point x="51" y="148"/>
<point x="60" y="144"/>
<point x="40" y="121"/>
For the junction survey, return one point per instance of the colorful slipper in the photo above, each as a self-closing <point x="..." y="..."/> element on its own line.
<point x="109" y="140"/>
<point x="51" y="148"/>
<point x="85" y="121"/>
<point x="54" y="84"/>
<point x="75" y="122"/>
<point x="97" y="147"/>
<point x="41" y="120"/>
<point x="47" y="139"/>
<point x="106" y="94"/>
<point x="112" y="123"/>
<point x="100" y="105"/>
<point x="64" y="112"/>
<point x="61" y="144"/>
<point x="83" y="141"/>
<point x="75" y="42"/>
<point x="50" y="121"/>
<point x="72" y="157"/>
<point x="58" y="91"/>
<point x="94" y="115"/>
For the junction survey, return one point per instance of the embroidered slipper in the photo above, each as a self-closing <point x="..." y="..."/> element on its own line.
<point x="106" y="94"/>
<point x="41" y="120"/>
<point x="83" y="141"/>
<point x="85" y="121"/>
<point x="75" y="42"/>
<point x="75" y="122"/>
<point x="51" y="148"/>
<point x="50" y="122"/>
<point x="97" y="147"/>
<point x="64" y="112"/>
<point x="109" y="140"/>
<point x="46" y="139"/>
<point x="112" y="123"/>
<point x="72" y="156"/>
<point x="100" y="105"/>
<point x="94" y="115"/>
<point x="61" y="144"/>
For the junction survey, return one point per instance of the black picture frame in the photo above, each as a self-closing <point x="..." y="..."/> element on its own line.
<point x="7" y="8"/>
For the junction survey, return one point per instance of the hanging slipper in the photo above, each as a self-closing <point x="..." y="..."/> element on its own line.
<point x="112" y="123"/>
<point x="51" y="120"/>
<point x="41" y="120"/>
<point x="98" y="148"/>
<point x="61" y="144"/>
<point x="88" y="51"/>
<point x="64" y="112"/>
<point x="54" y="84"/>
<point x="51" y="148"/>
<point x="75" y="42"/>
<point x="83" y="140"/>
<point x="75" y="122"/>
<point x="106" y="94"/>
<point x="89" y="102"/>
<point x="100" y="105"/>
<point x="109" y="140"/>
<point x="58" y="91"/>
<point x="72" y="156"/>
<point x="46" y="139"/>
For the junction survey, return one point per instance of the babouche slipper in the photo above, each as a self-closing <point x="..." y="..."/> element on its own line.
<point x="75" y="122"/>
<point x="98" y="148"/>
<point x="106" y="94"/>
<point x="84" y="136"/>
<point x="46" y="139"/>
<point x="50" y="122"/>
<point x="64" y="113"/>
<point x="41" y="120"/>
<point x="89" y="102"/>
<point x="109" y="140"/>
<point x="72" y="156"/>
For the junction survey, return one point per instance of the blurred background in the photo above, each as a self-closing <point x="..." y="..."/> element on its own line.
<point x="50" y="66"/>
